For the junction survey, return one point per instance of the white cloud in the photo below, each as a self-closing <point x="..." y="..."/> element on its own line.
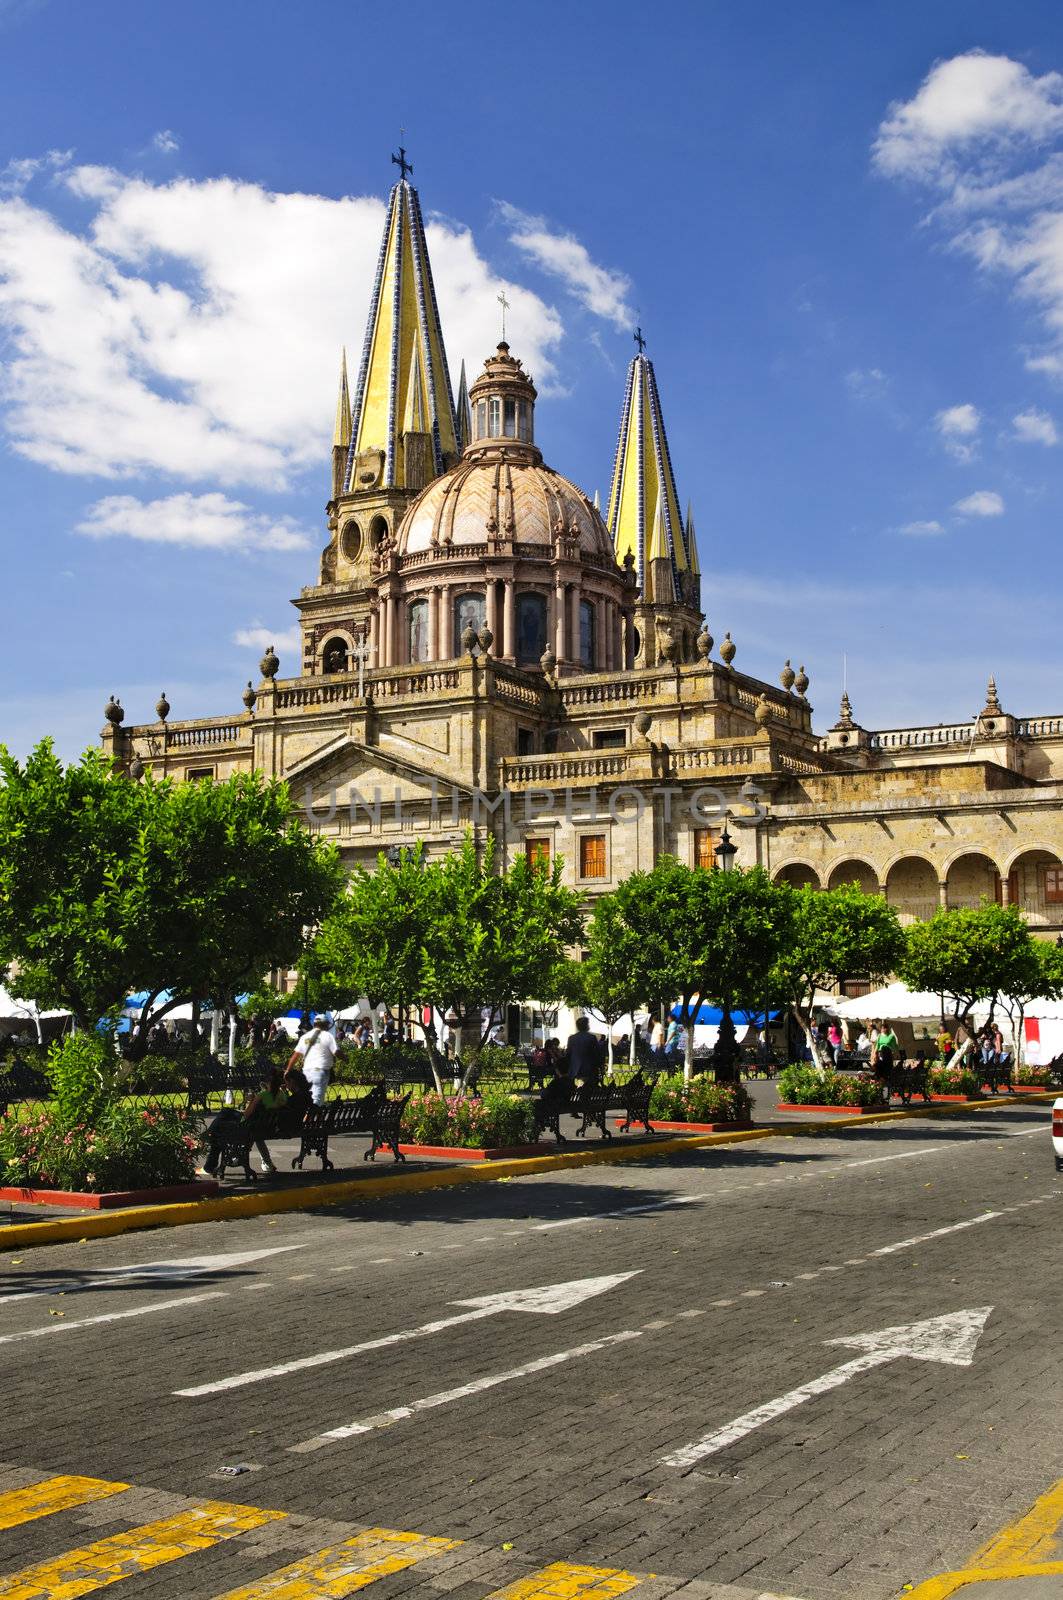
<point x="866" y="383"/>
<point x="192" y="328"/>
<point x="257" y="637"/>
<point x="958" y="427"/>
<point x="166" y="142"/>
<point x="1035" y="427"/>
<point x="968" y="107"/>
<point x="922" y="530"/>
<point x="600" y="290"/>
<point x="202" y="522"/>
<point x="984" y="134"/>
<point x="982" y="503"/>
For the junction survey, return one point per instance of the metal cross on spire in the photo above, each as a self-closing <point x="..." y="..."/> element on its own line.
<point x="400" y="161"/>
<point x="639" y="340"/>
<point x="504" y="303"/>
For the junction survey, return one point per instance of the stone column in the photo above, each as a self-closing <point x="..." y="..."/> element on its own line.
<point x="374" y="639"/>
<point x="492" y="611"/>
<point x="1005" y="890"/>
<point x="382" y="632"/>
<point x="600" y="634"/>
<point x="559" y="621"/>
<point x="943" y="894"/>
<point x="433" y="625"/>
<point x="446" y="623"/>
<point x="574" y="643"/>
<point x="402" y="631"/>
<point x="509" y="620"/>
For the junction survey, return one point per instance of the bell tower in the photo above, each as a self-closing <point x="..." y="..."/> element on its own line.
<point x="392" y="437"/>
<point x="646" y="525"/>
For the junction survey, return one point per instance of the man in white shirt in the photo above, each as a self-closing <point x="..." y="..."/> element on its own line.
<point x="317" y="1050"/>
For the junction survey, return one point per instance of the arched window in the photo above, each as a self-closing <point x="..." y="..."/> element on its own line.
<point x="418" y="641"/>
<point x="469" y="612"/>
<point x="586" y="634"/>
<point x="334" y="657"/>
<point x="377" y="530"/>
<point x="531" y="627"/>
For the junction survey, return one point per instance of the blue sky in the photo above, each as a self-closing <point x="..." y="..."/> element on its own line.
<point x="840" y="226"/>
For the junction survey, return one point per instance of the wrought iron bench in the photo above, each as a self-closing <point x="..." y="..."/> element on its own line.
<point x="592" y="1103"/>
<point x="20" y="1081"/>
<point x="904" y="1081"/>
<point x="321" y="1123"/>
<point x="996" y="1074"/>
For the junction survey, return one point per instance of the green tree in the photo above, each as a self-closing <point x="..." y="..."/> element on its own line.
<point x="834" y="934"/>
<point x="694" y="936"/>
<point x="108" y="885"/>
<point x="968" y="955"/>
<point x="611" y="968"/>
<point x="1036" y="974"/>
<point x="453" y="934"/>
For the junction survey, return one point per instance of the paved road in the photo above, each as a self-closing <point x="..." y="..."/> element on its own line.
<point x="539" y="1436"/>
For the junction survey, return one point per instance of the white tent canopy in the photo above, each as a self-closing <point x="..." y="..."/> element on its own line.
<point x="12" y="1010"/>
<point x="897" y="1003"/>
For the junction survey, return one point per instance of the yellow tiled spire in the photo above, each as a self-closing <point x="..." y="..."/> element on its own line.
<point x="341" y="436"/>
<point x="692" y="545"/>
<point x="415" y="418"/>
<point x="643" y="483"/>
<point x="403" y="338"/>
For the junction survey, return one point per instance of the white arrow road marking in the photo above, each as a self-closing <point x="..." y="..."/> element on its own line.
<point x="384" y="1419"/>
<point x="160" y="1271"/>
<point x="112" y="1316"/>
<point x="550" y="1298"/>
<point x="951" y="1339"/>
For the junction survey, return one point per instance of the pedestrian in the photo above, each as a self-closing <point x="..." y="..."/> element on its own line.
<point x="584" y="1058"/>
<point x="835" y="1040"/>
<point x="671" y="1040"/>
<point x="863" y="1045"/>
<point x="657" y="1043"/>
<point x="317" y="1051"/>
<point x="887" y="1045"/>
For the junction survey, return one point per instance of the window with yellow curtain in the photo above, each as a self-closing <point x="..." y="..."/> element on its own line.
<point x="704" y="849"/>
<point x="592" y="855"/>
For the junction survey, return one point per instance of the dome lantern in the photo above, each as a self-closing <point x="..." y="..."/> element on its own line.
<point x="502" y="401"/>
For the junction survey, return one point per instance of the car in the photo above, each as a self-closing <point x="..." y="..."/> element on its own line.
<point x="1057" y="1132"/>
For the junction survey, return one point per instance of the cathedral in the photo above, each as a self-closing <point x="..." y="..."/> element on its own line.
<point x="485" y="648"/>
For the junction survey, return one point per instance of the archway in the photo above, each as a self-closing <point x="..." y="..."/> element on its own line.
<point x="378" y="531"/>
<point x="798" y="875"/>
<point x="912" y="890"/>
<point x="1035" y="884"/>
<point x="335" y="655"/>
<point x="858" y="872"/>
<point x="972" y="878"/>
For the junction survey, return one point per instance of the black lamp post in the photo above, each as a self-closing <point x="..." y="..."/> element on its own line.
<point x="725" y="1051"/>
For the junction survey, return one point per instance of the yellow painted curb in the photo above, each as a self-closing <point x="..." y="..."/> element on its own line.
<point x="1019" y="1550"/>
<point x="21" y="1236"/>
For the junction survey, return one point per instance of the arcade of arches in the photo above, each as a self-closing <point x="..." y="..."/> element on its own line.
<point x="1032" y="881"/>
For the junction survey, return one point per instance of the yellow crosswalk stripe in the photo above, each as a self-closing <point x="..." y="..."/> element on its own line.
<point x="123" y="1555"/>
<point x="53" y="1494"/>
<point x="566" y="1580"/>
<point x="343" y="1569"/>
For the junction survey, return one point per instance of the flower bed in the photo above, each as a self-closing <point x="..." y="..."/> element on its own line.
<point x="124" y="1148"/>
<point x="809" y="1089"/>
<point x="955" y="1083"/>
<point x="495" y="1121"/>
<point x="700" y="1101"/>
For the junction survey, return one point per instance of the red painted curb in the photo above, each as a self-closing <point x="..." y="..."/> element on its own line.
<point x="831" y="1111"/>
<point x="502" y="1152"/>
<point x="688" y="1127"/>
<point x="117" y="1197"/>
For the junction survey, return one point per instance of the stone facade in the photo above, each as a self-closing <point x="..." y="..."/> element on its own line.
<point x="483" y="649"/>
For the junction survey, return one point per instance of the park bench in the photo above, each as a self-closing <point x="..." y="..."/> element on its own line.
<point x="904" y="1081"/>
<point x="20" y="1081"/>
<point x="593" y="1102"/>
<point x="373" y="1113"/>
<point x="207" y="1078"/>
<point x="996" y="1074"/>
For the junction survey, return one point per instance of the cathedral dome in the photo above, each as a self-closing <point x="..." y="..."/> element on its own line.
<point x="501" y="492"/>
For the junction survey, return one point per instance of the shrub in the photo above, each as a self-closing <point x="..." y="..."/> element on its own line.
<point x="1043" y="1077"/>
<point x="808" y="1086"/>
<point x="701" y="1100"/>
<point x="492" y="1120"/>
<point x="124" y="1148"/>
<point x="956" y="1080"/>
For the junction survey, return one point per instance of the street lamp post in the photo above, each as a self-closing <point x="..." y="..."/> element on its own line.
<point x="725" y="1051"/>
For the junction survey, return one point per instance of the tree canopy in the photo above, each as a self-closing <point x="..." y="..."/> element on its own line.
<point x="966" y="955"/>
<point x="453" y="934"/>
<point x="108" y="886"/>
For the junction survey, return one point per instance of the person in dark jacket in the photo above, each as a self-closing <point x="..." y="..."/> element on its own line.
<point x="584" y="1055"/>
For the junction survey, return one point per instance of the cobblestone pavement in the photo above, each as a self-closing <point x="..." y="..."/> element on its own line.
<point x="541" y="1439"/>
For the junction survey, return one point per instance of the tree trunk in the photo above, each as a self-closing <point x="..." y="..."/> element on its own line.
<point x="688" y="1054"/>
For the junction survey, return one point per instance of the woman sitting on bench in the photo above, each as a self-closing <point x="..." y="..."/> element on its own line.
<point x="270" y="1097"/>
